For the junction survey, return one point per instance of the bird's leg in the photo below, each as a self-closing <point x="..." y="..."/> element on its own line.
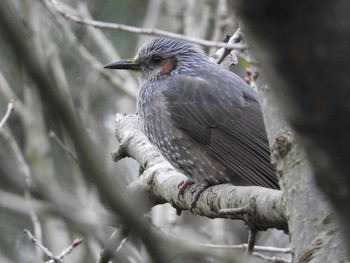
<point x="182" y="187"/>
<point x="196" y="192"/>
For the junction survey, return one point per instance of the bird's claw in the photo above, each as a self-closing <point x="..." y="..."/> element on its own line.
<point x="196" y="192"/>
<point x="182" y="187"/>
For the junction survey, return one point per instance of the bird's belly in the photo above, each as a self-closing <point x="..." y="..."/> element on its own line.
<point x="186" y="155"/>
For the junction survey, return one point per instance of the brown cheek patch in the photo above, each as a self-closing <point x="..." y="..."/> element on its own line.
<point x="167" y="66"/>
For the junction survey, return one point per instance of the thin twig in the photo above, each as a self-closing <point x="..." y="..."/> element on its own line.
<point x="119" y="154"/>
<point x="115" y="243"/>
<point x="251" y="241"/>
<point x="36" y="242"/>
<point x="48" y="253"/>
<point x="53" y="135"/>
<point x="256" y="248"/>
<point x="144" y="31"/>
<point x="67" y="251"/>
<point x="222" y="53"/>
<point x="244" y="246"/>
<point x="271" y="259"/>
<point x="10" y="108"/>
<point x="7" y="92"/>
<point x="235" y="211"/>
<point x="252" y="224"/>
<point x="32" y="213"/>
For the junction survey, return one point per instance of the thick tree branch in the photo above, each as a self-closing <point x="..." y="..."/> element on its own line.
<point x="160" y="180"/>
<point x="303" y="198"/>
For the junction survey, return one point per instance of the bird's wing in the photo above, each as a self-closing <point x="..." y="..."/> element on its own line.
<point x="228" y="125"/>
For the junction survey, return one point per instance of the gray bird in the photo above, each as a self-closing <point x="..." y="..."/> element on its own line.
<point x="204" y="119"/>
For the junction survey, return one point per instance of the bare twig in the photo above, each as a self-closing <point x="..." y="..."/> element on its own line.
<point x="144" y="31"/>
<point x="268" y="249"/>
<point x="250" y="212"/>
<point x="10" y="108"/>
<point x="251" y="240"/>
<point x="7" y="92"/>
<point x="115" y="242"/>
<point x="53" y="135"/>
<point x="66" y="251"/>
<point x="222" y="53"/>
<point x="234" y="211"/>
<point x="46" y="251"/>
<point x="27" y="195"/>
<point x="119" y="154"/>
<point x="271" y="259"/>
<point x="256" y="248"/>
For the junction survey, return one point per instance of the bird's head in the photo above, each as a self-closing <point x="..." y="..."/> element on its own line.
<point x="162" y="56"/>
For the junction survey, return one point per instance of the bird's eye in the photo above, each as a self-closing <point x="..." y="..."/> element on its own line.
<point x="156" y="59"/>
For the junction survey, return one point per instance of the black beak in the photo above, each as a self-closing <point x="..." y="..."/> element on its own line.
<point x="128" y="64"/>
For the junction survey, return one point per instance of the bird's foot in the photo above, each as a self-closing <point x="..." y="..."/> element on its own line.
<point x="182" y="187"/>
<point x="196" y="192"/>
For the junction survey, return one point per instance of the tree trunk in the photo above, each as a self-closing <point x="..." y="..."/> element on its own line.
<point x="293" y="42"/>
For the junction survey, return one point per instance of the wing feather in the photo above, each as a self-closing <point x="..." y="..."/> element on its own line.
<point x="228" y="125"/>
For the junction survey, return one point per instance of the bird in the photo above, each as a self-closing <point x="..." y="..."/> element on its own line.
<point x="205" y="120"/>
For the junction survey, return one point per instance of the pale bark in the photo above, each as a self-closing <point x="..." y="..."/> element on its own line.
<point x="159" y="182"/>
